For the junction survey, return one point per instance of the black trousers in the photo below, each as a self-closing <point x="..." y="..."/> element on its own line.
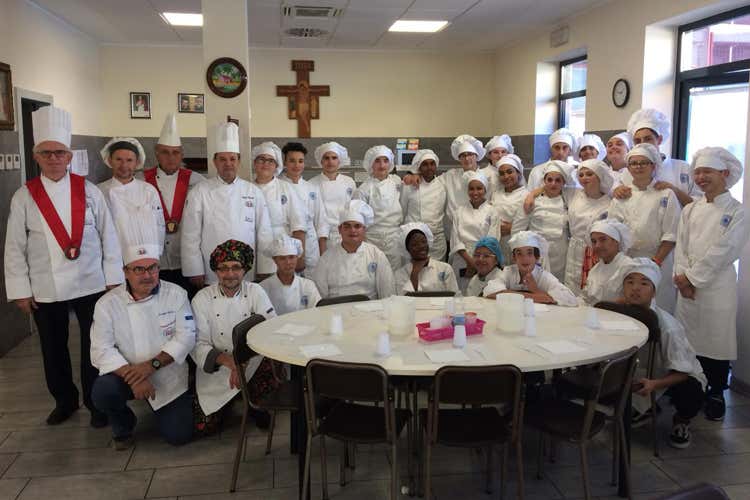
<point x="175" y="276"/>
<point x="717" y="373"/>
<point x="687" y="397"/>
<point x="52" y="321"/>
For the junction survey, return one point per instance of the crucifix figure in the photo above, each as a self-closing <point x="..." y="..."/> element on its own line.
<point x="303" y="104"/>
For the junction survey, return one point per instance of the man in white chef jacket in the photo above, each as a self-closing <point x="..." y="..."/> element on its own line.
<point x="218" y="308"/>
<point x="562" y="143"/>
<point x="143" y="331"/>
<point x="224" y="208"/>
<point x="173" y="182"/>
<point x="61" y="251"/>
<point x="354" y="266"/>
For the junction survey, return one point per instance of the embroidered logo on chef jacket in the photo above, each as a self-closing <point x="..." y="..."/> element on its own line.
<point x="303" y="301"/>
<point x="349" y="191"/>
<point x="603" y="215"/>
<point x="249" y="204"/>
<point x="312" y="195"/>
<point x="283" y="199"/>
<point x="269" y="310"/>
<point x="372" y="267"/>
<point x="684" y="178"/>
<point x="248" y="219"/>
<point x="725" y="220"/>
<point x="442" y="276"/>
<point x="664" y="201"/>
<point x="168" y="322"/>
<point x="488" y="220"/>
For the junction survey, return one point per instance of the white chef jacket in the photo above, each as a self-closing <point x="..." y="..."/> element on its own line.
<point x="536" y="177"/>
<point x="469" y="226"/>
<point x="510" y="279"/>
<point x="710" y="238"/>
<point x="604" y="282"/>
<point x="384" y="198"/>
<point x="301" y="294"/>
<point x="427" y="203"/>
<point x="215" y="317"/>
<point x="506" y="206"/>
<point x="311" y="201"/>
<point x="675" y="354"/>
<point x="672" y="170"/>
<point x="478" y="285"/>
<point x="35" y="265"/>
<point x="335" y="193"/>
<point x="216" y="212"/>
<point x="170" y="258"/>
<point x="455" y="190"/>
<point x="582" y="211"/>
<point x="126" y="331"/>
<point x="549" y="217"/>
<point x="287" y="214"/>
<point x="436" y="276"/>
<point x="136" y="199"/>
<point x="366" y="271"/>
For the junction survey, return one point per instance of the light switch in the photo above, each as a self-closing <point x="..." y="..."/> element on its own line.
<point x="2" y="162"/>
<point x="8" y="161"/>
<point x="17" y="162"/>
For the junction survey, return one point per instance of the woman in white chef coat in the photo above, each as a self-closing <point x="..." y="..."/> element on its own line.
<point x="588" y="147"/>
<point x="610" y="239"/>
<point x="287" y="291"/>
<point x="508" y="198"/>
<point x="382" y="191"/>
<point x="652" y="214"/>
<point x="336" y="189"/>
<point x="497" y="147"/>
<point x="472" y="221"/>
<point x="422" y="273"/>
<point x="217" y="309"/>
<point x="488" y="259"/>
<point x="287" y="214"/>
<point x="426" y="201"/>
<point x="712" y="233"/>
<point x="617" y="147"/>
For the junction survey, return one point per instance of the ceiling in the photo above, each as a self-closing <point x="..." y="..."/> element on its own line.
<point x="362" y="24"/>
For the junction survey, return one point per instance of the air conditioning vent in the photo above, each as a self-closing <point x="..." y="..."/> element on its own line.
<point x="310" y="12"/>
<point x="305" y="33"/>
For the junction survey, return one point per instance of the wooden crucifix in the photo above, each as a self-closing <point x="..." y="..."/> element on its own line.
<point x="302" y="98"/>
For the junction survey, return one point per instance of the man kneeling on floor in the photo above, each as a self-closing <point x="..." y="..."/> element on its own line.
<point x="143" y="331"/>
<point x="678" y="373"/>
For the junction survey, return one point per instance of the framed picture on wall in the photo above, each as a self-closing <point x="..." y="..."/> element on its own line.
<point x="6" y="98"/>
<point x="140" y="105"/>
<point x="190" y="103"/>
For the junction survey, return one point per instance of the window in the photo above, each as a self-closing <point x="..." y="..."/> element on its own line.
<point x="572" y="101"/>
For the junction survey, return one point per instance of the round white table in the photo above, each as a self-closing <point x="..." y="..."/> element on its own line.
<point x="409" y="356"/>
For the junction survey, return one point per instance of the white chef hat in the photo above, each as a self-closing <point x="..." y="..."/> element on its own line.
<point x="644" y="266"/>
<point x="106" y="154"/>
<point x="592" y="140"/>
<point x="516" y="162"/>
<point x="649" y="151"/>
<point x="614" y="229"/>
<point x="406" y="229"/>
<point x="335" y="147"/>
<point x="138" y="240"/>
<point x="227" y="138"/>
<point x="624" y="137"/>
<point x="466" y="143"/>
<point x="500" y="141"/>
<point x="420" y="156"/>
<point x="531" y="239"/>
<point x="602" y="171"/>
<point x="169" y="135"/>
<point x="284" y="245"/>
<point x="560" y="167"/>
<point x="374" y="153"/>
<point x="562" y="135"/>
<point x="649" y="118"/>
<point x="52" y="124"/>
<point x="269" y="148"/>
<point x="718" y="159"/>
<point x="357" y="210"/>
<point x="473" y="175"/>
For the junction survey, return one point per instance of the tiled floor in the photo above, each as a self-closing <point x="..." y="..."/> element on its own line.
<point x="74" y="461"/>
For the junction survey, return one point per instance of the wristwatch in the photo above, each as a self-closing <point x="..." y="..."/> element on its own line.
<point x="155" y="364"/>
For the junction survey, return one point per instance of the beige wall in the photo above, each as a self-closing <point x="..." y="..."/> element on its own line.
<point x="613" y="36"/>
<point x="372" y="93"/>
<point x="50" y="57"/>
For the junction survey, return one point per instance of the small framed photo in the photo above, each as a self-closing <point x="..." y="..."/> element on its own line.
<point x="6" y="98"/>
<point x="190" y="103"/>
<point x="140" y="105"/>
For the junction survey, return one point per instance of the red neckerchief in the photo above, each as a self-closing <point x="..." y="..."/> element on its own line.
<point x="70" y="244"/>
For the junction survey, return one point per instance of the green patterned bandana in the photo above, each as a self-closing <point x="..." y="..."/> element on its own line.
<point x="232" y="251"/>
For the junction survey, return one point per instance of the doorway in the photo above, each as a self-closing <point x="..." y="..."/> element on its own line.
<point x="28" y="106"/>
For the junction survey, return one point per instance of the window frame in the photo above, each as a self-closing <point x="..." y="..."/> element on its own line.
<point x="562" y="97"/>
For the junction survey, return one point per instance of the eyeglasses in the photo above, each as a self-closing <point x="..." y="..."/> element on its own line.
<point x="140" y="270"/>
<point x="57" y="153"/>
<point x="484" y="255"/>
<point x="265" y="161"/>
<point x="235" y="268"/>
<point x="642" y="163"/>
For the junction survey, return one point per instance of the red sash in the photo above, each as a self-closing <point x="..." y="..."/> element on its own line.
<point x="589" y="261"/>
<point x="70" y="244"/>
<point x="173" y="216"/>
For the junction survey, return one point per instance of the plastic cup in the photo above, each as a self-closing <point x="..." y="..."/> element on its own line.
<point x="528" y="307"/>
<point x="436" y="323"/>
<point x="470" y="318"/>
<point x="383" y="347"/>
<point x="592" y="319"/>
<point x="529" y="327"/>
<point x="337" y="326"/>
<point x="459" y="336"/>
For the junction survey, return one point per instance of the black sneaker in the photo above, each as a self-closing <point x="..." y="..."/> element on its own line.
<point x="60" y="415"/>
<point x="98" y="420"/>
<point x="680" y="435"/>
<point x="715" y="407"/>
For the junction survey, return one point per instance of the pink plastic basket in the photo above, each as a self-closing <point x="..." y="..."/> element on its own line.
<point x="429" y="335"/>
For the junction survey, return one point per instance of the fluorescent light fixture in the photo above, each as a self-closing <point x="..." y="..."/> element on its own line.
<point x="183" y="18"/>
<point x="410" y="26"/>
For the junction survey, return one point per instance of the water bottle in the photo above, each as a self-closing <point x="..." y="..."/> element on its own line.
<point x="459" y="317"/>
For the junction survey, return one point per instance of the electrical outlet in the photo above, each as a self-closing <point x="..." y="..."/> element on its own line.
<point x="8" y="161"/>
<point x="17" y="161"/>
<point x="2" y="162"/>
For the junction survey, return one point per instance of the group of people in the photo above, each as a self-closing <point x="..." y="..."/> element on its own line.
<point x="159" y="266"/>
